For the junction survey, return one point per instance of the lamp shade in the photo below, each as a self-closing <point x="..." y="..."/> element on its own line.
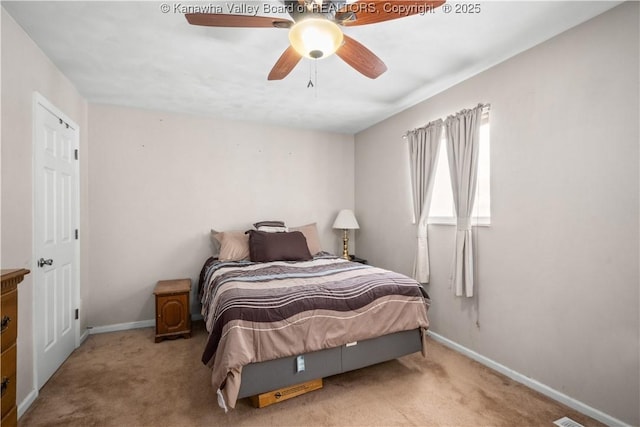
<point x="346" y="220"/>
<point x="315" y="38"/>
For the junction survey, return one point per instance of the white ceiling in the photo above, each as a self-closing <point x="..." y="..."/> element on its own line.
<point x="132" y="54"/>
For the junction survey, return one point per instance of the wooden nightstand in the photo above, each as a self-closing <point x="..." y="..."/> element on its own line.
<point x="354" y="258"/>
<point x="173" y="316"/>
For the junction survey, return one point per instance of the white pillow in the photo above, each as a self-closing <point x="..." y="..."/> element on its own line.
<point x="273" y="229"/>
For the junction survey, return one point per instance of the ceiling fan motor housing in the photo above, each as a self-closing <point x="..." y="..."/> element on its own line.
<point x="326" y="8"/>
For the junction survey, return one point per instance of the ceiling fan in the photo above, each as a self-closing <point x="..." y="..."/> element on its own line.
<point x="314" y="31"/>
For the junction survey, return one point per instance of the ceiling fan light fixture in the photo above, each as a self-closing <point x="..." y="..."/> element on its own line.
<point x="315" y="37"/>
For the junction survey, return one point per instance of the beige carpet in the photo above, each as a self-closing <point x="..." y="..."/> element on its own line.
<point x="125" y="379"/>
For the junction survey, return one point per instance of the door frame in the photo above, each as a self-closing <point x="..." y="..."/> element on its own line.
<point x="39" y="101"/>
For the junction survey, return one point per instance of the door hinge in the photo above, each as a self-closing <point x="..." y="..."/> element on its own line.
<point x="77" y="234"/>
<point x="77" y="313"/>
<point x="75" y="153"/>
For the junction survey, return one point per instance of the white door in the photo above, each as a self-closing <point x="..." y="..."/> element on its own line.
<point x="56" y="245"/>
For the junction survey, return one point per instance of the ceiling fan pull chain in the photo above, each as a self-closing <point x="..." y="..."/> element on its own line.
<point x="310" y="84"/>
<point x="313" y="77"/>
<point x="315" y="70"/>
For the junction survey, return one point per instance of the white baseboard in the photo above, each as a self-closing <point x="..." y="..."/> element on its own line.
<point x="127" y="326"/>
<point x="26" y="402"/>
<point x="122" y="326"/>
<point x="84" y="336"/>
<point x="531" y="383"/>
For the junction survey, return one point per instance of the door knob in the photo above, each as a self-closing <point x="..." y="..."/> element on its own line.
<point x="42" y="262"/>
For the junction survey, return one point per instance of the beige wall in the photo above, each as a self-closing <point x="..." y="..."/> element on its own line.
<point x="558" y="268"/>
<point x="26" y="69"/>
<point x="160" y="181"/>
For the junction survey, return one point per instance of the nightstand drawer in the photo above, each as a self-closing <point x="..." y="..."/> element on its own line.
<point x="11" y="419"/>
<point x="8" y="380"/>
<point x="9" y="317"/>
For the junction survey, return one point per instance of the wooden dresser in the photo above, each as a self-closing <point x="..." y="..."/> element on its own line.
<point x="9" y="318"/>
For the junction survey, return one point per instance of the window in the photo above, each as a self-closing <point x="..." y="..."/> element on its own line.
<point x="442" y="209"/>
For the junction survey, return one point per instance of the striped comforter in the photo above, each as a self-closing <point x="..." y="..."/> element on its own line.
<point x="263" y="311"/>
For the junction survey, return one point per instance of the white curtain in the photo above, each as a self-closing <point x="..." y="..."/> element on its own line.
<point x="423" y="154"/>
<point x="463" y="136"/>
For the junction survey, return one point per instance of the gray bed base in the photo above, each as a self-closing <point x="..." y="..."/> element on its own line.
<point x="271" y="375"/>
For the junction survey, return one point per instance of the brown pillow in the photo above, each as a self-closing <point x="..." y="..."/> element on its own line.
<point x="266" y="247"/>
<point x="234" y="245"/>
<point x="310" y="232"/>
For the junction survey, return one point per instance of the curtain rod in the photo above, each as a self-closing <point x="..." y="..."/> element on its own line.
<point x="485" y="109"/>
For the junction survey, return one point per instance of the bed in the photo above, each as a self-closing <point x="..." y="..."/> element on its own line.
<point x="339" y="315"/>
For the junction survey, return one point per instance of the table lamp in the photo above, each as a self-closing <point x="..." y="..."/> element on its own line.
<point x="346" y="221"/>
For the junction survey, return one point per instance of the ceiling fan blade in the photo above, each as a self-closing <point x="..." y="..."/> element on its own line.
<point x="360" y="58"/>
<point x="246" y="21"/>
<point x="287" y="62"/>
<point x="370" y="12"/>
